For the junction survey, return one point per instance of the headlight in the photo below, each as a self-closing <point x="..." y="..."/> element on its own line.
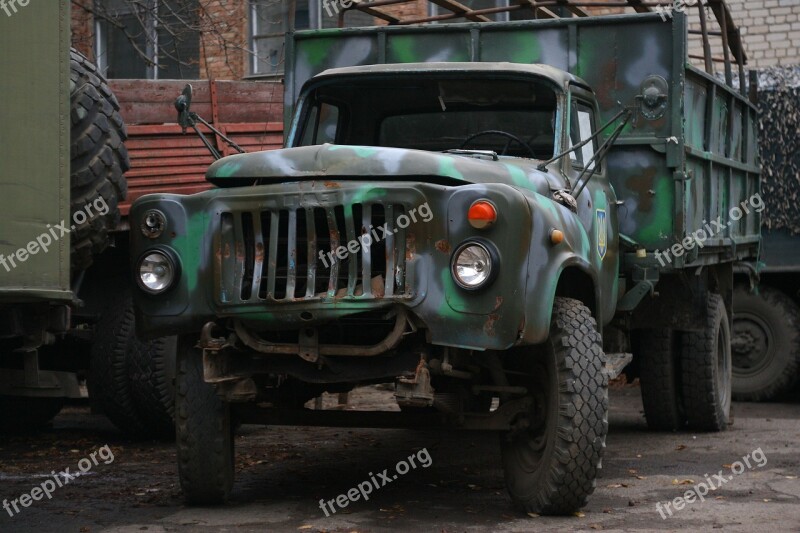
<point x="473" y="265"/>
<point x="156" y="272"/>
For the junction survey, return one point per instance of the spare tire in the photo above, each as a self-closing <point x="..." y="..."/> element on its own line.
<point x="99" y="161"/>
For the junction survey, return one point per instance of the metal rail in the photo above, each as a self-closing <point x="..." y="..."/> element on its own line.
<point x="726" y="30"/>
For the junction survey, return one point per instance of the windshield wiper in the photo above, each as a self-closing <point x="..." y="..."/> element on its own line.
<point x="461" y="151"/>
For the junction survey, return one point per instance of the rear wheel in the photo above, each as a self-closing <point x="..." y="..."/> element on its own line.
<point x="766" y="344"/>
<point x="109" y="380"/>
<point x="152" y="370"/>
<point x="552" y="456"/>
<point x="658" y="353"/>
<point x="706" y="370"/>
<point x="204" y="432"/>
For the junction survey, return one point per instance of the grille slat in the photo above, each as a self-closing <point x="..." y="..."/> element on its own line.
<point x="388" y="287"/>
<point x="311" y="274"/>
<point x="366" y="252"/>
<point x="272" y="264"/>
<point x="334" y="238"/>
<point x="352" y="262"/>
<point x="291" y="253"/>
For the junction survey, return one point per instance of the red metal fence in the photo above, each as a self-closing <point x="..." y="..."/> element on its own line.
<point x="163" y="159"/>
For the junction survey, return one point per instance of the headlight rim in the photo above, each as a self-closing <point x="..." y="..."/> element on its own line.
<point x="494" y="265"/>
<point x="173" y="263"/>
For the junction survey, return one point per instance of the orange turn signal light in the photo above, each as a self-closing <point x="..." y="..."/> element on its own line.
<point x="556" y="236"/>
<point x="482" y="214"/>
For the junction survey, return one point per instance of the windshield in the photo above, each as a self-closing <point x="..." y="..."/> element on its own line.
<point x="509" y="117"/>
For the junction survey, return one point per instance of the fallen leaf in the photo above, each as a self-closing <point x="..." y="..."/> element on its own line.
<point x="726" y="466"/>
<point x="641" y="477"/>
<point x="533" y="515"/>
<point x="579" y="514"/>
<point x="680" y="447"/>
<point x="683" y="482"/>
<point x="305" y="527"/>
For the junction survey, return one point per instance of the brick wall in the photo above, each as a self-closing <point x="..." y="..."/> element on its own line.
<point x="222" y="48"/>
<point x="770" y="30"/>
<point x="82" y="29"/>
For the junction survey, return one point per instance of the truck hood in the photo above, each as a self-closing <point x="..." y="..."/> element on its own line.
<point x="330" y="161"/>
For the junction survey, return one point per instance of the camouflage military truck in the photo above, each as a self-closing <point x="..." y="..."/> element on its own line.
<point x="491" y="216"/>
<point x="65" y="302"/>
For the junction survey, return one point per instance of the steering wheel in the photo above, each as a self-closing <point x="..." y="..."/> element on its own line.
<point x="511" y="138"/>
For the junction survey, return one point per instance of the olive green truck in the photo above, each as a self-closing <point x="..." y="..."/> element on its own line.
<point x="66" y="315"/>
<point x="490" y="216"/>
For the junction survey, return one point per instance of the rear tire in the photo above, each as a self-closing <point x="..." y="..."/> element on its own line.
<point x="551" y="461"/>
<point x="204" y="432"/>
<point x="766" y="344"/>
<point x="706" y="370"/>
<point x="152" y="370"/>
<point x="108" y="380"/>
<point x="658" y="352"/>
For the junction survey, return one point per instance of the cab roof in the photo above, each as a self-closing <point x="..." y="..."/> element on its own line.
<point x="557" y="76"/>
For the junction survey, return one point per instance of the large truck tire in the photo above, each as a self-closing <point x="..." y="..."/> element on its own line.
<point x="658" y="353"/>
<point x="706" y="370"/>
<point x="21" y="414"/>
<point x="152" y="370"/>
<point x="551" y="465"/>
<point x="204" y="432"/>
<point x="766" y="344"/>
<point x="108" y="378"/>
<point x="99" y="161"/>
<point x="130" y="380"/>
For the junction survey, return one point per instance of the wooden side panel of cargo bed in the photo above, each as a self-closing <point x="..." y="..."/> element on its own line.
<point x="163" y="159"/>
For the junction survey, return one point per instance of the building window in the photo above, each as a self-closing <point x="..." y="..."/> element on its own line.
<point x="435" y="10"/>
<point x="148" y="39"/>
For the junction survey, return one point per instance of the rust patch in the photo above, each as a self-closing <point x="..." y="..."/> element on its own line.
<point x="332" y="184"/>
<point x="488" y="326"/>
<point x="411" y="246"/>
<point x="497" y="303"/>
<point x="260" y="252"/>
<point x="443" y="246"/>
<point x="226" y="252"/>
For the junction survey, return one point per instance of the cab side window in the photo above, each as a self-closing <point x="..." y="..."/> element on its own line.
<point x="582" y="127"/>
<point x="322" y="125"/>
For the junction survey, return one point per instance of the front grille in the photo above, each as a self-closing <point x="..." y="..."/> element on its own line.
<point x="275" y="254"/>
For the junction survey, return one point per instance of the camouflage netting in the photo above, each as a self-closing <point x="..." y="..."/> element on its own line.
<point x="779" y="122"/>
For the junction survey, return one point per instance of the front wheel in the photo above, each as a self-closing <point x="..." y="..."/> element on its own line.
<point x="552" y="456"/>
<point x="203" y="430"/>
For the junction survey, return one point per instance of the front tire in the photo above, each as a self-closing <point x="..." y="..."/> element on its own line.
<point x="766" y="344"/>
<point x="204" y="432"/>
<point x="706" y="370"/>
<point x="551" y="465"/>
